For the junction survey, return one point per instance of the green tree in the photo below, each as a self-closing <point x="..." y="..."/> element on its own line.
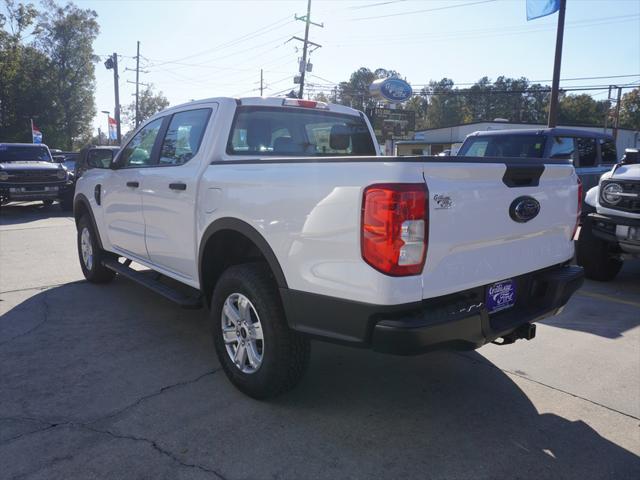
<point x="66" y="36"/>
<point x="581" y="109"/>
<point x="150" y="103"/>
<point x="24" y="81"/>
<point x="445" y="104"/>
<point x="630" y="110"/>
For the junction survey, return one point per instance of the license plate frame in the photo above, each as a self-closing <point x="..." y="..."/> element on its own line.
<point x="501" y="295"/>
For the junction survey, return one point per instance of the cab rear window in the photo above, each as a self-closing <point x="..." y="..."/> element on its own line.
<point x="298" y="132"/>
<point x="526" y="146"/>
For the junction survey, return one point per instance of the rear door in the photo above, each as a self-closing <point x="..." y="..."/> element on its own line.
<point x="474" y="237"/>
<point x="169" y="190"/>
<point x="121" y="199"/>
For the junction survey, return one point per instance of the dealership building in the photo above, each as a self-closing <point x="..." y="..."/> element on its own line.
<point x="436" y="140"/>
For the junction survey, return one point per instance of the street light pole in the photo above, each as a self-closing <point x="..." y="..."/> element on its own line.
<point x="112" y="64"/>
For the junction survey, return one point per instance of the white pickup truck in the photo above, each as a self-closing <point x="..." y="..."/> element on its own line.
<point x="279" y="216"/>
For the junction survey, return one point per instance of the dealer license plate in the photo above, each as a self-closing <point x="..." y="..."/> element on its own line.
<point x="501" y="295"/>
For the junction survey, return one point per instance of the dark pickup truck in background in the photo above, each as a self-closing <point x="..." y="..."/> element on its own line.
<point x="591" y="153"/>
<point x="28" y="172"/>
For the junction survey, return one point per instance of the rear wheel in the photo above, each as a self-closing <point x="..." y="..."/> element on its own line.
<point x="90" y="254"/>
<point x="595" y="256"/>
<point x="258" y="352"/>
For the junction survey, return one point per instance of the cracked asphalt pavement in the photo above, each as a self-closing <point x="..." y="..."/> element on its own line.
<point x="112" y="381"/>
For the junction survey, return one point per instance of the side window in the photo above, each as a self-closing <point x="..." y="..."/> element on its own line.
<point x="137" y="153"/>
<point x="608" y="151"/>
<point x="587" y="152"/>
<point x="562" y="147"/>
<point x="184" y="136"/>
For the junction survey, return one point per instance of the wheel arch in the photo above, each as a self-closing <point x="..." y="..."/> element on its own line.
<point x="248" y="245"/>
<point x="81" y="207"/>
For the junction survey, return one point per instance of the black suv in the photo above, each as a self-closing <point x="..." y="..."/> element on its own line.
<point x="28" y="172"/>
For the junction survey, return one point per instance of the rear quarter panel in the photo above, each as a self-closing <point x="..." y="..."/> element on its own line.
<point x="309" y="213"/>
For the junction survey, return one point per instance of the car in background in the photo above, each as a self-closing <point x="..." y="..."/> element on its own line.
<point x="592" y="153"/>
<point x="611" y="234"/>
<point x="28" y="172"/>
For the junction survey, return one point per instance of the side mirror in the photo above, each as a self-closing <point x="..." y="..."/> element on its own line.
<point x="631" y="157"/>
<point x="100" y="159"/>
<point x="59" y="158"/>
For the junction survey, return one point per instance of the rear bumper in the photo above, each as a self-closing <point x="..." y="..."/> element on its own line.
<point x="459" y="321"/>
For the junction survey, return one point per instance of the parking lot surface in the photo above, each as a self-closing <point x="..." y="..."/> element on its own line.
<point x="112" y="381"/>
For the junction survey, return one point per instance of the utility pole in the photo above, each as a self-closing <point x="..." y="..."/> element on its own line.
<point x="112" y="64"/>
<point x="261" y="83"/>
<point x="137" y="84"/>
<point x="555" y="86"/>
<point x="616" y="121"/>
<point x="305" y="50"/>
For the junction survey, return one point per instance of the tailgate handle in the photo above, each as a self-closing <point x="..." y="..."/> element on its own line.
<point x="133" y="184"/>
<point x="527" y="175"/>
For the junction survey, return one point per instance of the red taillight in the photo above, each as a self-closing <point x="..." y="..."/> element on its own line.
<point x="575" y="229"/>
<point x="394" y="227"/>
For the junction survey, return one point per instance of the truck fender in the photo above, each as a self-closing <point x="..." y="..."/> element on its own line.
<point x="253" y="235"/>
<point x="81" y="206"/>
<point x="591" y="198"/>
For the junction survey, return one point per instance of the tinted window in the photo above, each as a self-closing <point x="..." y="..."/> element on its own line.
<point x="99" y="158"/>
<point x="19" y="153"/>
<point x="527" y="146"/>
<point x="587" y="152"/>
<point x="298" y="132"/>
<point x="137" y="153"/>
<point x="562" y="147"/>
<point x="183" y="137"/>
<point x="608" y="151"/>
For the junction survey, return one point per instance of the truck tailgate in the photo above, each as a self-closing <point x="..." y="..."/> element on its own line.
<point x="473" y="239"/>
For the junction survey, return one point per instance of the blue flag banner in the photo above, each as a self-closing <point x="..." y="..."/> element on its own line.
<point x="541" y="8"/>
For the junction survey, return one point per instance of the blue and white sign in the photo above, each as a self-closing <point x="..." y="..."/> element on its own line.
<point x="501" y="295"/>
<point x="394" y="90"/>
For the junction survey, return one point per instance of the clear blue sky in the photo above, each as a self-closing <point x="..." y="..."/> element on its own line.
<point x="200" y="49"/>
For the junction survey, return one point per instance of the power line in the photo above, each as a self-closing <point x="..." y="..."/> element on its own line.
<point x="447" y="7"/>
<point x="249" y="36"/>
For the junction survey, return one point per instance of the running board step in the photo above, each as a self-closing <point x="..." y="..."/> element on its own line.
<point x="183" y="299"/>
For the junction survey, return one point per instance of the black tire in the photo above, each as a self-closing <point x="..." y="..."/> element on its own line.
<point x="285" y="353"/>
<point x="66" y="202"/>
<point x="94" y="271"/>
<point x="47" y="203"/>
<point x="595" y="256"/>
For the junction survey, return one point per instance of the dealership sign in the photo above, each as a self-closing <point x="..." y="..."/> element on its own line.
<point x="394" y="90"/>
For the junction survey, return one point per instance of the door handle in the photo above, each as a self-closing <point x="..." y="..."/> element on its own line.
<point x="178" y="186"/>
<point x="133" y="184"/>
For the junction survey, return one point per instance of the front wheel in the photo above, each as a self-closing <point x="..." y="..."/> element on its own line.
<point x="595" y="256"/>
<point x="90" y="254"/>
<point x="258" y="351"/>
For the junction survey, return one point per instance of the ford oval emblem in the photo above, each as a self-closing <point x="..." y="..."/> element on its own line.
<point x="523" y="209"/>
<point x="391" y="89"/>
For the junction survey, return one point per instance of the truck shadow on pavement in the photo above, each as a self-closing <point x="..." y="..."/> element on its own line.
<point x="27" y="212"/>
<point x="621" y="298"/>
<point x="113" y="382"/>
